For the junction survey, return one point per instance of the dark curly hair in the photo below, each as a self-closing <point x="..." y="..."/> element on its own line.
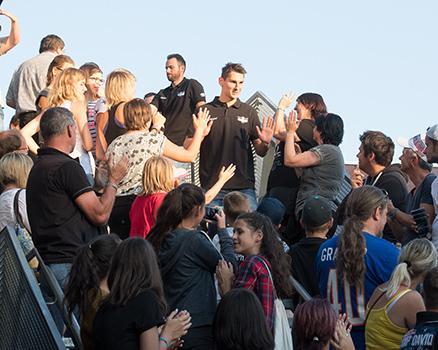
<point x="272" y="249"/>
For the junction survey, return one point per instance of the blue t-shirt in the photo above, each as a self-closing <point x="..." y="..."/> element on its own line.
<point x="380" y="260"/>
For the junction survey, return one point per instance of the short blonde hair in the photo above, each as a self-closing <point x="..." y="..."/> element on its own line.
<point x="119" y="86"/>
<point x="137" y="114"/>
<point x="64" y="87"/>
<point x="157" y="175"/>
<point x="15" y="168"/>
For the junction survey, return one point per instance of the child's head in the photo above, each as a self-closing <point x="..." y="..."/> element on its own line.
<point x="94" y="78"/>
<point x="69" y="85"/>
<point x="316" y="215"/>
<point x="240" y="323"/>
<point x="89" y="268"/>
<point x="273" y="209"/>
<point x="235" y="203"/>
<point x="119" y="86"/>
<point x="157" y="175"/>
<point x="134" y="269"/>
<point x="58" y="64"/>
<point x="138" y="114"/>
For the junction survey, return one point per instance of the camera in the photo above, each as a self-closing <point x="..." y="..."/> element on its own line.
<point x="420" y="217"/>
<point x="210" y="213"/>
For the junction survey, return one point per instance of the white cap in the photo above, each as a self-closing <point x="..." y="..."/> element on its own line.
<point x="432" y="132"/>
<point x="415" y="143"/>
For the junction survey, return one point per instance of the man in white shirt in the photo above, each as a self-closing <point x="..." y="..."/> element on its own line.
<point x="431" y="153"/>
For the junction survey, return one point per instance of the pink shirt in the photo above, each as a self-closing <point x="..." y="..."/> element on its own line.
<point x="143" y="213"/>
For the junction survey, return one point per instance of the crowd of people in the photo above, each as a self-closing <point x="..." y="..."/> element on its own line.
<point x="103" y="183"/>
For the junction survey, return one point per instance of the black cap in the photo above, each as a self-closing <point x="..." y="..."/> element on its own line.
<point x="316" y="212"/>
<point x="273" y="209"/>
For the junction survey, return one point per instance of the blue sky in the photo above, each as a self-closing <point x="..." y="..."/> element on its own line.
<point x="375" y="62"/>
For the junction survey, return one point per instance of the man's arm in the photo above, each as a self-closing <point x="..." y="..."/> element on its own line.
<point x="98" y="209"/>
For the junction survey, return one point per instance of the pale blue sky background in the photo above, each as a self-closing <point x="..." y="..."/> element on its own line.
<point x="374" y="62"/>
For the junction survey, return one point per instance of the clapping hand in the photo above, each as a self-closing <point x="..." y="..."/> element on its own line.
<point x="286" y="100"/>
<point x="292" y="122"/>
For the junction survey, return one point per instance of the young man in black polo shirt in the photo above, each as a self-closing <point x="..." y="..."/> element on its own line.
<point x="178" y="101"/>
<point x="63" y="210"/>
<point x="236" y="125"/>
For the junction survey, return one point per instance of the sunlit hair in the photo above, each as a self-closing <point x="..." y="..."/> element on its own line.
<point x="314" y="324"/>
<point x="157" y="175"/>
<point x="64" y="87"/>
<point x="15" y="168"/>
<point x="314" y="103"/>
<point x="232" y="67"/>
<point x="119" y="86"/>
<point x="235" y="203"/>
<point x="138" y="114"/>
<point x="360" y="206"/>
<point x="58" y="62"/>
<point x="90" y="68"/>
<point x="416" y="258"/>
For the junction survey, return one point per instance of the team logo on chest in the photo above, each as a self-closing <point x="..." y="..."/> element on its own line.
<point x="181" y="93"/>
<point x="242" y="119"/>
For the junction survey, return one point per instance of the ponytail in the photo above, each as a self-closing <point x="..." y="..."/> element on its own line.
<point x="177" y="206"/>
<point x="89" y="268"/>
<point x="416" y="257"/>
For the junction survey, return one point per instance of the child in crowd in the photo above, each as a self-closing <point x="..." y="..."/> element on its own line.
<point x="135" y="308"/>
<point x="316" y="326"/>
<point x="255" y="238"/>
<point x="351" y="265"/>
<point x="316" y="220"/>
<point x="392" y="308"/>
<point x="188" y="260"/>
<point x="274" y="210"/>
<point x="87" y="285"/>
<point x="424" y="335"/>
<point x="239" y="323"/>
<point x="160" y="177"/>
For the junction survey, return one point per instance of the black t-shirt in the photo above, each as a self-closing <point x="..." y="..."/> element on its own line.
<point x="303" y="256"/>
<point x="178" y="104"/>
<point x="424" y="335"/>
<point x="392" y="181"/>
<point x="58" y="226"/>
<point x="229" y="141"/>
<point x="421" y="195"/>
<point x="119" y="327"/>
<point x="281" y="175"/>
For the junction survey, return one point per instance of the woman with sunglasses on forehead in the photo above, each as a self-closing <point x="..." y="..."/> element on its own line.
<point x="351" y="265"/>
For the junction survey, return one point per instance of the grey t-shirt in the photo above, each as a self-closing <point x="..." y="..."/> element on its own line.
<point x="324" y="179"/>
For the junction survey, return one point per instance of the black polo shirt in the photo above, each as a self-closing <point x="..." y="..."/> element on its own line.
<point x="58" y="226"/>
<point x="178" y="104"/>
<point x="229" y="141"/>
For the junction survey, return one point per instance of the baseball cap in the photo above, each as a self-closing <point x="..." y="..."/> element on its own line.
<point x="415" y="143"/>
<point x="273" y="209"/>
<point x="432" y="132"/>
<point x="316" y="212"/>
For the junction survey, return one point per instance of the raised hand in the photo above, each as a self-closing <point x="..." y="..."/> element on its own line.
<point x="286" y="100"/>
<point x="227" y="173"/>
<point x="203" y="121"/>
<point x="341" y="339"/>
<point x="292" y="122"/>
<point x="267" y="131"/>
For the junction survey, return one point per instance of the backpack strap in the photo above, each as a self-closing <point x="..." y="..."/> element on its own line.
<point x="270" y="275"/>
<point x="16" y="209"/>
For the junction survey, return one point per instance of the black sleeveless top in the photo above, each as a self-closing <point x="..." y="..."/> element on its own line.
<point x="113" y="130"/>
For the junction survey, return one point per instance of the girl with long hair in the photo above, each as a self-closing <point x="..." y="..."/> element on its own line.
<point x="139" y="144"/>
<point x="239" y="323"/>
<point x="393" y="307"/>
<point x="58" y="64"/>
<point x="68" y="92"/>
<point x="119" y="89"/>
<point x="255" y="238"/>
<point x="188" y="260"/>
<point x="350" y="266"/>
<point x="134" y="310"/>
<point x="87" y="285"/>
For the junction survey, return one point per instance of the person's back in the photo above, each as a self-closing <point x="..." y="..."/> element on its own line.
<point x="350" y="266"/>
<point x="31" y="76"/>
<point x="392" y="308"/>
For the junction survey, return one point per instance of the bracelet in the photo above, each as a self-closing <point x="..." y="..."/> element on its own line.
<point x="113" y="185"/>
<point x="164" y="340"/>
